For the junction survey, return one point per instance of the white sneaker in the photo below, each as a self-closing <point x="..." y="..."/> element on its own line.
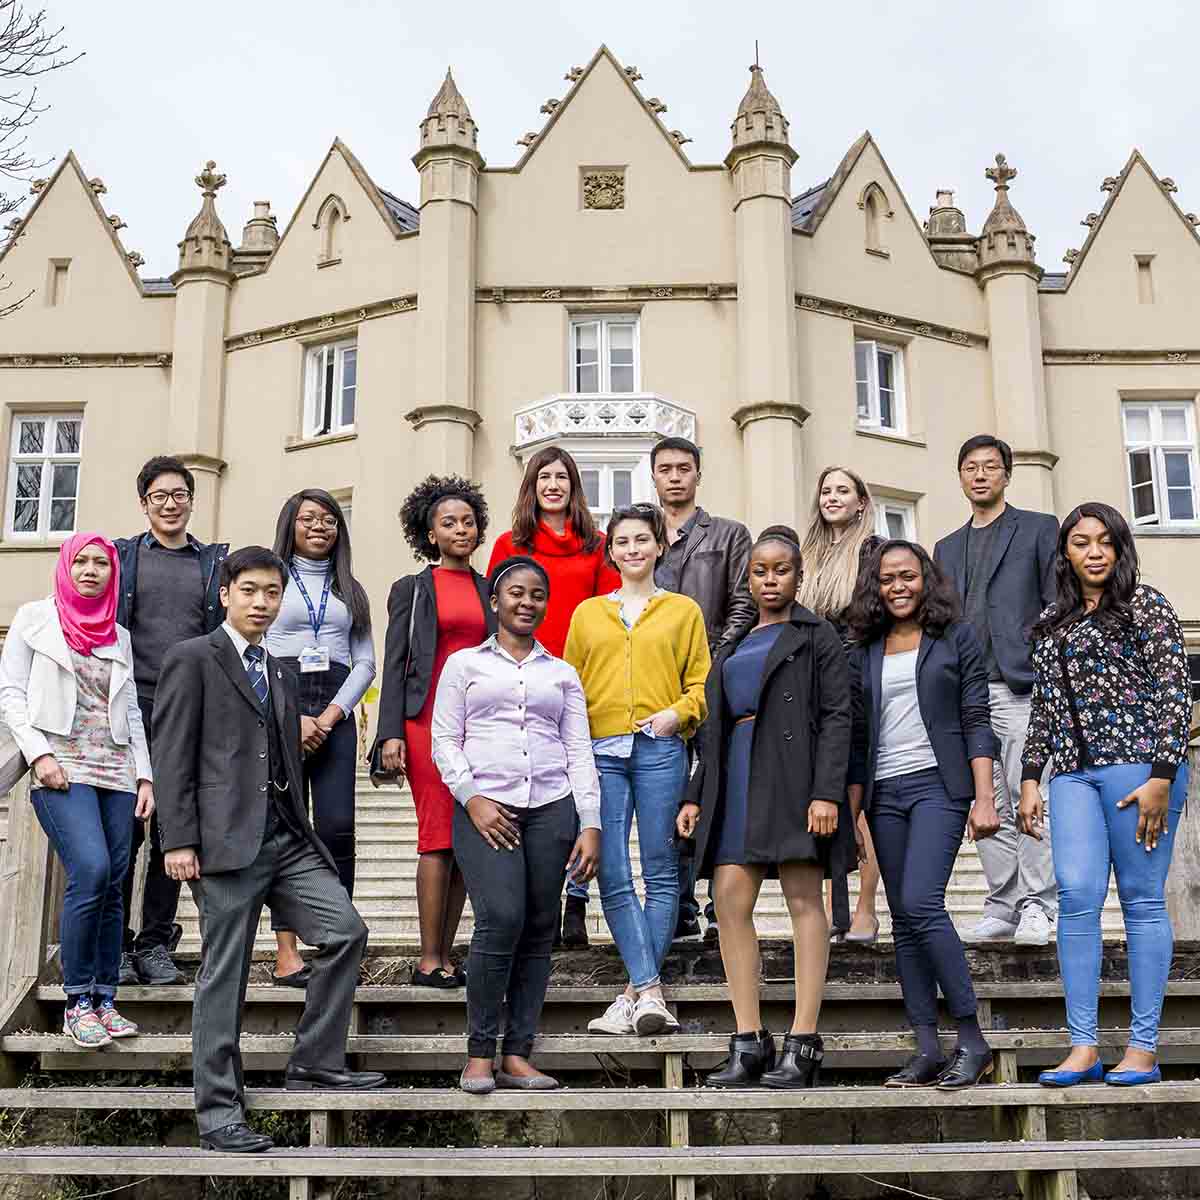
<point x="651" y="1015"/>
<point x="617" y="1019"/>
<point x="990" y="929"/>
<point x="1034" y="929"/>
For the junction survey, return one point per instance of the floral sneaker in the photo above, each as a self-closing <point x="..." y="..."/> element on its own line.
<point x="84" y="1027"/>
<point x="116" y="1025"/>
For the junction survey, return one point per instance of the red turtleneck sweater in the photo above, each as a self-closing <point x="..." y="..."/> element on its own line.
<point x="575" y="576"/>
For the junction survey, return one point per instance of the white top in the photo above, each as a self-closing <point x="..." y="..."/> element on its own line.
<point x="903" y="743"/>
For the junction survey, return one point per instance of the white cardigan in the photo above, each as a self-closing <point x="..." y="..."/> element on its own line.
<point x="37" y="685"/>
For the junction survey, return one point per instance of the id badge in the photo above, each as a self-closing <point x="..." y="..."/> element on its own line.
<point x="314" y="658"/>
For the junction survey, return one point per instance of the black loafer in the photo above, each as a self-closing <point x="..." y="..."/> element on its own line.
<point x="313" y="1079"/>
<point x="237" y="1138"/>
<point x="966" y="1069"/>
<point x="439" y="977"/>
<point x="920" y="1071"/>
<point x="297" y="979"/>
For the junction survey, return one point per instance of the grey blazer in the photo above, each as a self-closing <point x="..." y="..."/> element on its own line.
<point x="1020" y="584"/>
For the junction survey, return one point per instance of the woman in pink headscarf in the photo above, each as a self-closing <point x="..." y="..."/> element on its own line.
<point x="68" y="696"/>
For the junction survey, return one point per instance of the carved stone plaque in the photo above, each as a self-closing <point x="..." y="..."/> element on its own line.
<point x="604" y="189"/>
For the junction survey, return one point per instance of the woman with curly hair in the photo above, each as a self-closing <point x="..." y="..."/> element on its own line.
<point x="921" y="769"/>
<point x="431" y="615"/>
<point x="1112" y="710"/>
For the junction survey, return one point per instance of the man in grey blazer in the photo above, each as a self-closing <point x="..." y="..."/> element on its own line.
<point x="234" y="825"/>
<point x="1002" y="564"/>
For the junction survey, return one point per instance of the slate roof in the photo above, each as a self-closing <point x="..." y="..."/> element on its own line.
<point x="1055" y="281"/>
<point x="158" y="287"/>
<point x="805" y="204"/>
<point x="407" y="217"/>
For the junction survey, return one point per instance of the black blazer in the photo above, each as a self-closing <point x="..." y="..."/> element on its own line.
<point x="799" y="752"/>
<point x="210" y="754"/>
<point x="952" y="693"/>
<point x="403" y="696"/>
<point x="1020" y="585"/>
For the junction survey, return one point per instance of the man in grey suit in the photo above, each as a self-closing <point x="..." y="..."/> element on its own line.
<point x="234" y="825"/>
<point x="1002" y="563"/>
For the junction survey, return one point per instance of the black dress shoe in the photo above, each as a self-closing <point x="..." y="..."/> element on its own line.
<point x="297" y="979"/>
<point x="750" y="1054"/>
<point x="920" y="1071"/>
<point x="439" y="977"/>
<point x="966" y="1069"/>
<point x="799" y="1064"/>
<point x="237" y="1138"/>
<point x="313" y="1079"/>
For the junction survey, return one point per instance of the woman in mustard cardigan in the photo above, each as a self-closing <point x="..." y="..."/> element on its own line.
<point x="642" y="656"/>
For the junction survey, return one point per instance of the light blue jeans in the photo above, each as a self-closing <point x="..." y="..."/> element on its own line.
<point x="649" y="783"/>
<point x="1091" y="836"/>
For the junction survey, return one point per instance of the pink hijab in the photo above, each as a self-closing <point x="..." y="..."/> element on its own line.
<point x="87" y="621"/>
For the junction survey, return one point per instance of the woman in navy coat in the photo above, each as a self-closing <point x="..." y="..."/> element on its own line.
<point x="921" y="769"/>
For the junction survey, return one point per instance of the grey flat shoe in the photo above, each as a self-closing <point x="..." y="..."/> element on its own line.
<point x="527" y="1083"/>
<point x="863" y="939"/>
<point x="475" y="1087"/>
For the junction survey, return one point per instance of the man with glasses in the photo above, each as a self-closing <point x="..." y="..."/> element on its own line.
<point x="1002" y="563"/>
<point x="169" y="593"/>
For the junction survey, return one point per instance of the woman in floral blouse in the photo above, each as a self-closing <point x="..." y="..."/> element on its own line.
<point x="1111" y="710"/>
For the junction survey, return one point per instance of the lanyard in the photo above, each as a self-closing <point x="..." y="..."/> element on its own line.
<point x="315" y="619"/>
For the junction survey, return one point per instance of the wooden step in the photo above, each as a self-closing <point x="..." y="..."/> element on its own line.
<point x="495" y="1162"/>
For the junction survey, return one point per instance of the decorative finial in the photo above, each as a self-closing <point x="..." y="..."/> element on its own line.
<point x="1168" y="184"/>
<point x="528" y="139"/>
<point x="1109" y="184"/>
<point x="573" y="74"/>
<point x="1070" y="257"/>
<point x="1004" y="238"/>
<point x="654" y="104"/>
<point x="1001" y="173"/>
<point x="36" y="185"/>
<point x="116" y="223"/>
<point x="633" y="73"/>
<point x="97" y="186"/>
<point x="1191" y="218"/>
<point x="549" y="106"/>
<point x="13" y="226"/>
<point x="208" y="181"/>
<point x="135" y="259"/>
<point x="681" y="137"/>
<point x="1090" y="220"/>
<point x="756" y="53"/>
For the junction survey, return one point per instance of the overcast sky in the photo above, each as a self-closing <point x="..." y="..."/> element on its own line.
<point x="1066" y="89"/>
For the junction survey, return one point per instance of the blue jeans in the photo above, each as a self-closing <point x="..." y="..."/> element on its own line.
<point x="90" y="829"/>
<point x="917" y="828"/>
<point x="649" y="783"/>
<point x="1090" y="837"/>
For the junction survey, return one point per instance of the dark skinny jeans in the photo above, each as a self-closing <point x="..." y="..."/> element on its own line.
<point x="514" y="894"/>
<point x="917" y="829"/>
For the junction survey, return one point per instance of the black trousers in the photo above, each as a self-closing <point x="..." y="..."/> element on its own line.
<point x="917" y="828"/>
<point x="160" y="895"/>
<point x="296" y="882"/>
<point x="514" y="894"/>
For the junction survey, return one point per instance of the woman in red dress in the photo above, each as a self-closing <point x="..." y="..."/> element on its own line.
<point x="553" y="525"/>
<point x="431" y="615"/>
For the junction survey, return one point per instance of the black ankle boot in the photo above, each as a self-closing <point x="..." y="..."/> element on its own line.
<point x="574" y="923"/>
<point x="750" y="1054"/>
<point x="800" y="1063"/>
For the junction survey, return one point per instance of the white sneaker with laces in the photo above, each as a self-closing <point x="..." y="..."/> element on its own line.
<point x="990" y="929"/>
<point x="617" y="1018"/>
<point x="651" y="1015"/>
<point x="1034" y="929"/>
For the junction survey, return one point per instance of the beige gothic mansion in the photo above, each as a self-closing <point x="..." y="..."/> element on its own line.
<point x="599" y="293"/>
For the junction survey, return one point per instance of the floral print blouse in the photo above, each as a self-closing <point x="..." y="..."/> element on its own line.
<point x="1103" y="697"/>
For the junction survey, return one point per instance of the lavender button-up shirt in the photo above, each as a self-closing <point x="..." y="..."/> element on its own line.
<point x="516" y="732"/>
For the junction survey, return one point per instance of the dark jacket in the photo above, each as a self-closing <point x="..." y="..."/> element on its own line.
<point x="1020" y="585"/>
<point x="799" y="753"/>
<point x="211" y="557"/>
<point x="403" y="695"/>
<point x="211" y="771"/>
<point x="714" y="573"/>
<point x="952" y="693"/>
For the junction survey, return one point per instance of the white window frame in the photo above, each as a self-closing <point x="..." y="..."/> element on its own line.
<point x="316" y="364"/>
<point x="904" y="509"/>
<point x="1157" y="448"/>
<point x="871" y="418"/>
<point x="604" y="323"/>
<point x="48" y="460"/>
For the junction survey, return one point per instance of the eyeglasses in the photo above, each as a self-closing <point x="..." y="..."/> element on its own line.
<point x="970" y="470"/>
<point x="318" y="522"/>
<point x="181" y="496"/>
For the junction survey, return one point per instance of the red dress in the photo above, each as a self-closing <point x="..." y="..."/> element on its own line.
<point x="460" y="624"/>
<point x="575" y="576"/>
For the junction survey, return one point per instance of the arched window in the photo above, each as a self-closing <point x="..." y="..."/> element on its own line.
<point x="331" y="217"/>
<point x="874" y="203"/>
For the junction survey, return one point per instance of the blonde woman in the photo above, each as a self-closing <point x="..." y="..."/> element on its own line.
<point x="840" y="541"/>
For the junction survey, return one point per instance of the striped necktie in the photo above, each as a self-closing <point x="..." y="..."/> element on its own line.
<point x="255" y="657"/>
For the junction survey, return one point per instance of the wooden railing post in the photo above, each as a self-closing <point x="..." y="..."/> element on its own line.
<point x="1183" y="880"/>
<point x="683" y="1187"/>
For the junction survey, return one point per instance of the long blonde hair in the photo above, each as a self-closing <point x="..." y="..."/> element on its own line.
<point x="831" y="568"/>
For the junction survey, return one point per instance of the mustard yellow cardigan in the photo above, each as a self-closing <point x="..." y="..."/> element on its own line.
<point x="630" y="674"/>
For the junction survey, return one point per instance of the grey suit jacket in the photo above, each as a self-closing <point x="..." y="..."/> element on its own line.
<point x="1020" y="584"/>
<point x="210" y="742"/>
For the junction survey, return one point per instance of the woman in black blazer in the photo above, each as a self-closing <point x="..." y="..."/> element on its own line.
<point x="430" y="616"/>
<point x="766" y="801"/>
<point x="922" y="771"/>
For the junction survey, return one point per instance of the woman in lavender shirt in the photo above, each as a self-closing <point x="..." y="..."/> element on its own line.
<point x="512" y="743"/>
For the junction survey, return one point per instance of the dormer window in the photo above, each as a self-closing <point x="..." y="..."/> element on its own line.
<point x="604" y="354"/>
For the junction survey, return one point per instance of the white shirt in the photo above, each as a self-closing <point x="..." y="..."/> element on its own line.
<point x="240" y="644"/>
